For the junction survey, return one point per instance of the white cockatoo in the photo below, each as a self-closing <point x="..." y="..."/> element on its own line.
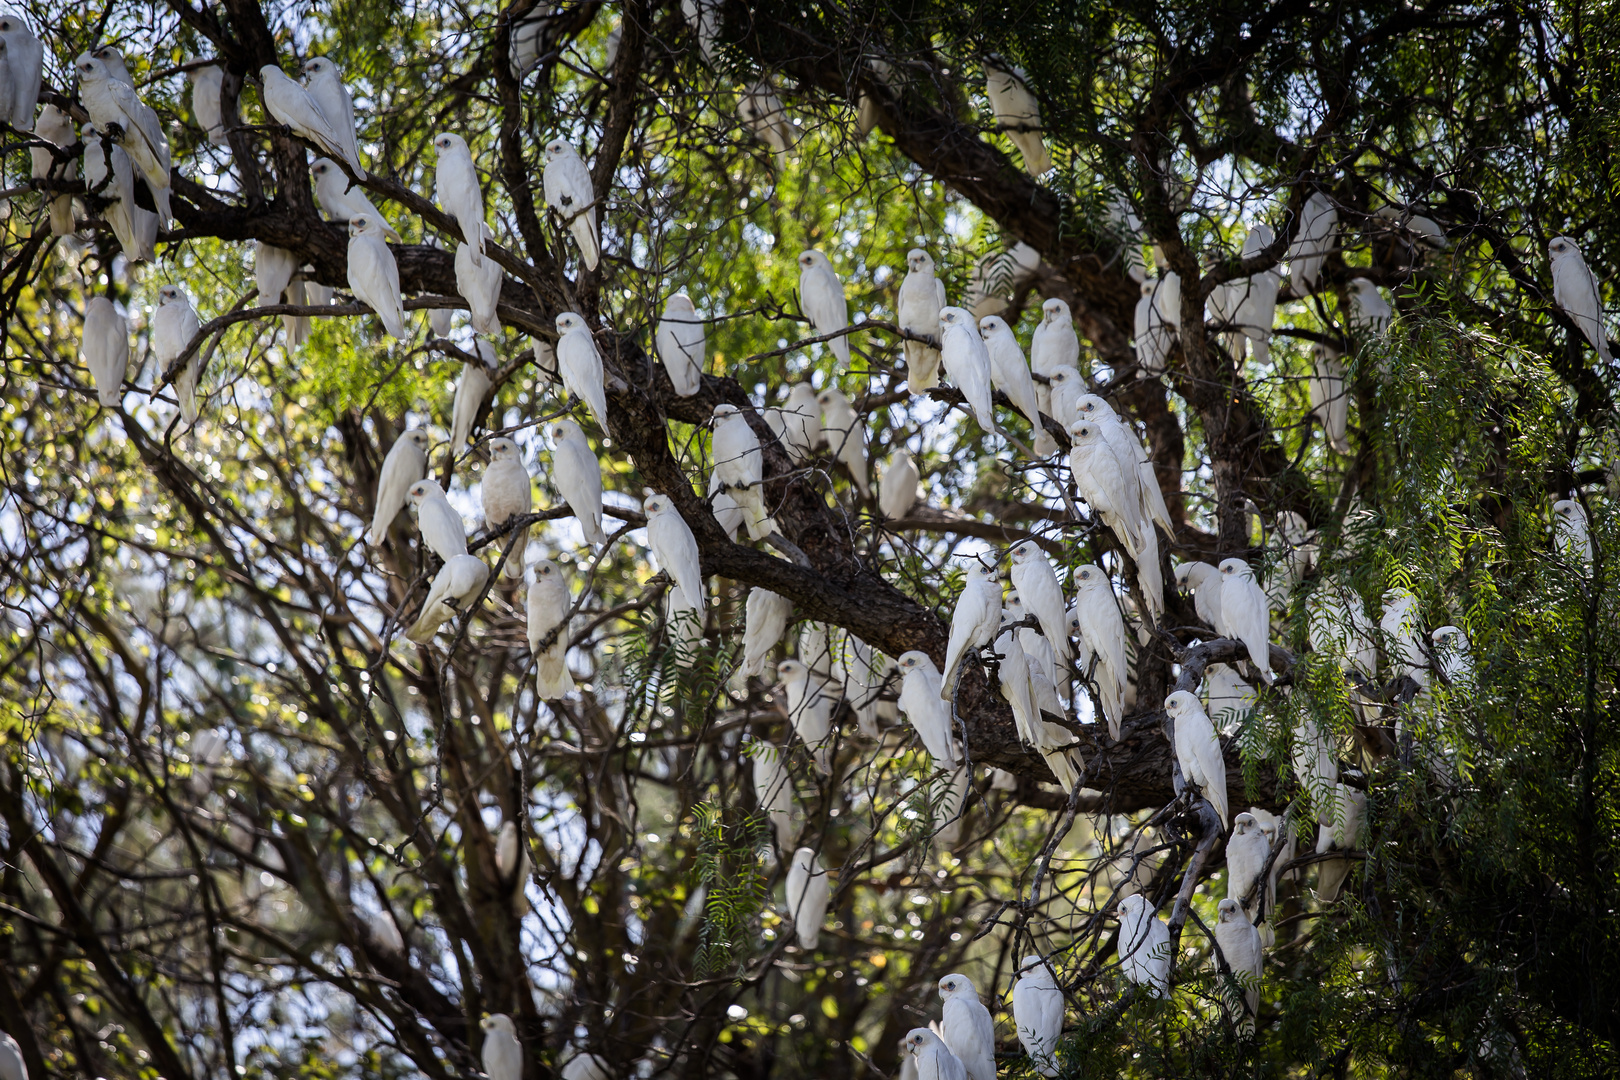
<point x="967" y="363"/>
<point x="1198" y="750"/>
<point x="1154" y="336"/>
<point x="1204" y="582"/>
<point x="922" y="296"/>
<point x="1369" y="311"/>
<point x="1167" y="298"/>
<point x="765" y="620"/>
<point x="967" y="1028"/>
<point x="324" y="82"/>
<point x="973" y="622"/>
<point x="580" y="365"/>
<point x="809" y="708"/>
<point x="56" y="127"/>
<point x="1315" y="239"/>
<point x="292" y="105"/>
<point x="704" y="16"/>
<point x="1144" y="945"/>
<point x="343" y="199"/>
<point x="1066" y="386"/>
<point x="765" y="117"/>
<point x="1453" y="657"/>
<point x="1247" y="850"/>
<point x="922" y="706"/>
<point x="405" y="464"/>
<point x="727" y="513"/>
<point x="442" y="529"/>
<point x="815" y="650"/>
<point x="801" y="422"/>
<point x="105" y="348"/>
<point x="997" y="275"/>
<point x="460" y="577"/>
<point x="1249" y="304"/>
<point x="684" y="627"/>
<point x="117" y="69"/>
<point x="1298" y="545"/>
<point x="174" y="324"/>
<point x="1014" y="677"/>
<point x="459" y="191"/>
<point x="1123" y="219"/>
<point x="1338" y="626"/>
<point x="569" y="191"/>
<point x="681" y="344"/>
<point x="207" y="87"/>
<point x="273" y="270"/>
<point x="1102" y="628"/>
<point x="773" y="791"/>
<point x="546" y="609"/>
<point x="930" y="1058"/>
<point x="1009" y="373"/>
<point x="1129" y="450"/>
<point x="1038" y="590"/>
<point x="1273" y="826"/>
<point x="585" y="1067"/>
<point x="897" y="488"/>
<point x="1313" y="756"/>
<point x="110" y="102"/>
<point x="864" y="669"/>
<point x="20" y="74"/>
<point x="808" y="893"/>
<point x="821" y="297"/>
<point x="374" y="275"/>
<point x="578" y="476"/>
<point x="951" y="809"/>
<point x="1240" y="946"/>
<point x="1425" y="230"/>
<point x="1246" y="614"/>
<point x="1338" y="829"/>
<point x="1038" y="1013"/>
<point x="676" y="550"/>
<point x="1572" y="537"/>
<point x="1053" y="347"/>
<point x="479" y="283"/>
<point x="1111" y="485"/>
<point x="739" y="468"/>
<point x="107" y="172"/>
<point x="1575" y="289"/>
<point x="503" y="1054"/>
<point x="471" y="391"/>
<point x="845" y="435"/>
<point x="867" y="109"/>
<point x="1330" y="398"/>
<point x="1018" y="114"/>
<point x="507" y="491"/>
<point x="510" y="854"/>
<point x="1227" y="697"/>
<point x="1400" y="624"/>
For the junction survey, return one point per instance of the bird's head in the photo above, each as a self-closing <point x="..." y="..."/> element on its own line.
<point x="811" y="258"/>
<point x="1074" y="621"/>
<point x="1022" y="553"/>
<point x="1243" y="823"/>
<point x="680" y="303"/>
<point x="656" y="504"/>
<point x="991" y="325"/>
<point x="1236" y="568"/>
<point x="89" y="68"/>
<point x="1449" y="637"/>
<point x="791" y="671"/>
<point x="1015" y="604"/>
<point x="1362" y="287"/>
<point x="805" y="859"/>
<point x="317" y="66"/>
<point x="1063" y="376"/>
<point x="1568" y="508"/>
<point x="1132" y="905"/>
<point x="722" y="412"/>
<point x="269" y="73"/>
<point x="321" y="167"/>
<point x="502" y="449"/>
<point x="418" y="438"/>
<point x="1089" y="405"/>
<point x="829" y="396"/>
<point x="919" y="1039"/>
<point x="10" y="23"/>
<point x="953" y="985"/>
<point x="360" y="225"/>
<point x="563" y="430"/>
<point x="1180" y="703"/>
<point x="1082" y="431"/>
<point x="558" y="148"/>
<point x="1089" y="576"/>
<point x="1055" y="312"/>
<point x="953" y="316"/>
<point x="446" y="142"/>
<point x="499" y="1022"/>
<point x="919" y="260"/>
<point x="912" y="661"/>
<point x="1031" y="964"/>
<point x="570" y="320"/>
<point x="111" y="56"/>
<point x="981" y="570"/>
<point x="1149" y="286"/>
<point x="1561" y="246"/>
<point x="1229" y="911"/>
<point x="418" y="492"/>
<point x="170" y="294"/>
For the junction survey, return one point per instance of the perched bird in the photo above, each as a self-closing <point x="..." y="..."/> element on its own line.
<point x="1575" y="289"/>
<point x="727" y="513"/>
<point x="809" y="709"/>
<point x="293" y="106"/>
<point x="111" y="103"/>
<point x="681" y="343"/>
<point x="1330" y="401"/>
<point x="547" y="607"/>
<point x="973" y="622"/>
<point x="684" y="626"/>
<point x="1129" y="449"/>
<point x="1038" y="590"/>
<point x="932" y="1059"/>
<point x="105" y="347"/>
<point x="405" y="464"/>
<point x="897" y="489"/>
<point x="1246" y="852"/>
<point x="1313" y="242"/>
<point x="273" y="272"/>
<point x="1246" y="614"/>
<point x="460" y="577"/>
<point x="1227" y="697"/>
<point x="765" y="621"/>
<point x="1018" y="114"/>
<point x="580" y="365"/>
<point x="821" y="297"/>
<point x="1204" y="582"/>
<point x="479" y="283"/>
<point x="676" y="550"/>
<point x="1112" y="487"/>
<point x="773" y="791"/>
<point x="374" y="275"/>
<point x="1144" y="945"/>
<point x="704" y="17"/>
<point x="107" y="171"/>
<point x="1053" y="348"/>
<point x="1452" y="657"/>
<point x="324" y="82"/>
<point x="1122" y="217"/>
<point x="1313" y="756"/>
<point x="343" y="199"/>
<point x="460" y="194"/>
<point x="174" y="324"/>
<point x="578" y="476"/>
<point x="966" y="1027"/>
<point x="867" y="109"/>
<point x="808" y="893"/>
<point x="922" y="705"/>
<point x="801" y="422"/>
<point x="863" y="679"/>
<point x="1167" y="298"/>
<point x="528" y="39"/>
<point x="1273" y="826"/>
<point x="507" y="492"/>
<point x="503" y="1054"/>
<point x="585" y="1067"/>
<point x="1400" y="627"/>
<point x="1338" y="829"/>
<point x="471" y="391"/>
<point x="922" y="296"/>
<point x="1240" y="947"/>
<point x="967" y="362"/>
<point x="1338" y="626"/>
<point x="1009" y="373"/>
<point x="569" y="191"/>
<point x="509" y="852"/>
<point x="442" y="528"/>
<point x="1154" y="336"/>
<point x="207" y="88"/>
<point x="53" y="126"/>
<point x="1102" y="628"/>
<point x="845" y="436"/>
<point x="1425" y="230"/>
<point x="763" y="114"/>
<point x="1249" y="304"/>
<point x="1369" y="311"/>
<point x="1013" y="675"/>
<point x="997" y="275"/>
<point x="1198" y="750"/>
<point x="1571" y="535"/>
<point x="738" y="468"/>
<point x="20" y="74"/>
<point x="1066" y="387"/>
<point x="1038" y="1013"/>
